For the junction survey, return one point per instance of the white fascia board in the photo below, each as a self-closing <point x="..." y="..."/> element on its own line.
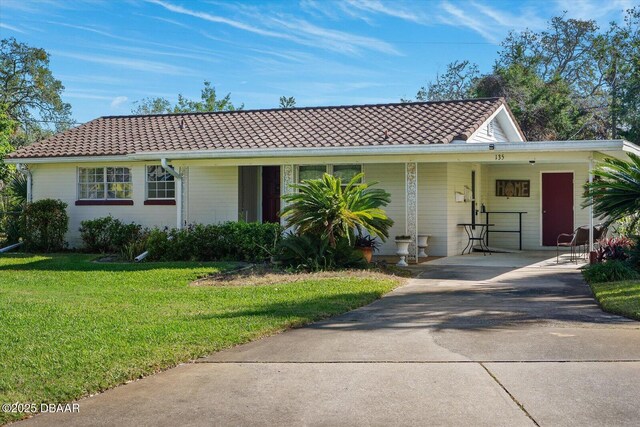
<point x="457" y="147"/>
<point x="630" y="147"/>
<point x="73" y="159"/>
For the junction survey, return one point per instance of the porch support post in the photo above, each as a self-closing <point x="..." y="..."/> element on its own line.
<point x="179" y="190"/>
<point x="411" y="206"/>
<point x="288" y="179"/>
<point x="590" y="206"/>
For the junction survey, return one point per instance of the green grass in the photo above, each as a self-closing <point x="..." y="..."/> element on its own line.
<point x="619" y="297"/>
<point x="70" y="327"/>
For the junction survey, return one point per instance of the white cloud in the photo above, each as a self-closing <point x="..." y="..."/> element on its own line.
<point x="132" y="64"/>
<point x="118" y="101"/>
<point x="395" y="10"/>
<point x="12" y="28"/>
<point x="290" y="28"/>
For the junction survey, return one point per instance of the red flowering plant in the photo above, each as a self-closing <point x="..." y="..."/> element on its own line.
<point x="614" y="248"/>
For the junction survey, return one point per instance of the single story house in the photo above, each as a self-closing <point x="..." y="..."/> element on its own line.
<point x="444" y="163"/>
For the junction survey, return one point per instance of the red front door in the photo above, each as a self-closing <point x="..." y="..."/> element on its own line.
<point x="557" y="206"/>
<point x="271" y="194"/>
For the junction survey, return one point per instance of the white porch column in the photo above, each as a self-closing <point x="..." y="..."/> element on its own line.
<point x="288" y="179"/>
<point x="411" y="207"/>
<point x="590" y="206"/>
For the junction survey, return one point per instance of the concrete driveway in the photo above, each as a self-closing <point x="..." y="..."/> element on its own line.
<point x="508" y="339"/>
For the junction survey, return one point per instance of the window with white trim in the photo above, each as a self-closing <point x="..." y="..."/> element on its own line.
<point x="311" y="172"/>
<point x="106" y="183"/>
<point x="344" y="172"/>
<point x="161" y="184"/>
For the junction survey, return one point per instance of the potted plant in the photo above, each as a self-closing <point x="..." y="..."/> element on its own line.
<point x="367" y="245"/>
<point x="402" y="245"/>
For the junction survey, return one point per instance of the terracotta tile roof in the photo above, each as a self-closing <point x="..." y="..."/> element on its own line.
<point x="344" y="126"/>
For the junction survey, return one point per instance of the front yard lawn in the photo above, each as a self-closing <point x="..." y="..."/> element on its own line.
<point x="619" y="297"/>
<point x="70" y="327"/>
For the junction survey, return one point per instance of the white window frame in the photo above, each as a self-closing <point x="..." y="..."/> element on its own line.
<point x="329" y="169"/>
<point x="146" y="185"/>
<point x="104" y="182"/>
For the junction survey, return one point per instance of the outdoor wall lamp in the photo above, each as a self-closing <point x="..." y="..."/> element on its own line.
<point x="492" y="147"/>
<point x="532" y="162"/>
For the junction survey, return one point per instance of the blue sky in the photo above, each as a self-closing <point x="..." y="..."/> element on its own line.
<point x="110" y="53"/>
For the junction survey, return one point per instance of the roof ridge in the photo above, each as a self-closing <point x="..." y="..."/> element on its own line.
<point x="323" y="107"/>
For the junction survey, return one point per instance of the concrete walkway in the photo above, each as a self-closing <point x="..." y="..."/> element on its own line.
<point x="507" y="339"/>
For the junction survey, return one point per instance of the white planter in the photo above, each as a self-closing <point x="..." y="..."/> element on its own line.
<point x="402" y="251"/>
<point x="423" y="243"/>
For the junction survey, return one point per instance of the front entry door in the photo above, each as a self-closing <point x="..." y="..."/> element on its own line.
<point x="271" y="194"/>
<point x="557" y="206"/>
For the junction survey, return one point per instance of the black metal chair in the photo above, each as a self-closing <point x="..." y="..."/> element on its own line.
<point x="575" y="241"/>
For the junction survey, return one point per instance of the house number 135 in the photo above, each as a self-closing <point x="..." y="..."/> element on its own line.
<point x="499" y="156"/>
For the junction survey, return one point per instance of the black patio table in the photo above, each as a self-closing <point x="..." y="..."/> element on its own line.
<point x="468" y="228"/>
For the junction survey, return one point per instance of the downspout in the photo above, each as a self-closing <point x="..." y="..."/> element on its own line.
<point x="178" y="177"/>
<point x="27" y="173"/>
<point x="591" y="242"/>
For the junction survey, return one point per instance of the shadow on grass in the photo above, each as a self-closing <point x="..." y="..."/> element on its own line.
<point x="87" y="262"/>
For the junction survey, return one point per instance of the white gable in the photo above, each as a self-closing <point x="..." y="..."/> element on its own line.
<point x="500" y="127"/>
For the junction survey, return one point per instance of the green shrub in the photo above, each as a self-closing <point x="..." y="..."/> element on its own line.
<point x="610" y="271"/>
<point x="229" y="241"/>
<point x="309" y="253"/>
<point x="110" y="235"/>
<point x="43" y="225"/>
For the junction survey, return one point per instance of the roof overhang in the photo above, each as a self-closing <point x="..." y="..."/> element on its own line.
<point x="616" y="147"/>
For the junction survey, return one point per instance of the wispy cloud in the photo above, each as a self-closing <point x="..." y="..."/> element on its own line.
<point x="290" y="28"/>
<point x="118" y="101"/>
<point x="12" y="28"/>
<point x="490" y="23"/>
<point x="131" y="64"/>
<point x="394" y="10"/>
<point x="599" y="11"/>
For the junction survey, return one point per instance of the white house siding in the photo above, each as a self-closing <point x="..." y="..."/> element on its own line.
<point x="458" y="181"/>
<point x="59" y="181"/>
<point x="532" y="227"/>
<point x="391" y="178"/>
<point x="482" y="135"/>
<point x="212" y="194"/>
<point x="432" y="205"/>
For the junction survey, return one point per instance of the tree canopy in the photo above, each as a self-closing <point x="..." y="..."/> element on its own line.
<point x="287" y="102"/>
<point x="209" y="102"/>
<point x="31" y="96"/>
<point x="570" y="81"/>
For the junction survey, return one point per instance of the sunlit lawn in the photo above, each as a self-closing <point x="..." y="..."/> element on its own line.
<point x="70" y="327"/>
<point x="619" y="297"/>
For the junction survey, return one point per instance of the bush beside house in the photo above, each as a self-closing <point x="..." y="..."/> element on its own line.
<point x="43" y="225"/>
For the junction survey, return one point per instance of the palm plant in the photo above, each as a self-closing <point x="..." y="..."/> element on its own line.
<point x="615" y="191"/>
<point x="324" y="208"/>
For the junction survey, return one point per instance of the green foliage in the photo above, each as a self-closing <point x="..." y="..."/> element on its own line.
<point x="233" y="241"/>
<point x="312" y="253"/>
<point x="72" y="327"/>
<point x="287" y="102"/>
<point x="30" y="93"/>
<point x="609" y="271"/>
<point x="569" y="81"/>
<point x="209" y="102"/>
<point x="43" y="225"/>
<point x="324" y="209"/>
<point x="110" y="235"/>
<point x="456" y="82"/>
<point x="615" y="193"/>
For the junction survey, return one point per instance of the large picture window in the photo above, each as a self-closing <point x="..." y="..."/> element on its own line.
<point x="106" y="183"/>
<point x="160" y="184"/>
<point x="344" y="172"/>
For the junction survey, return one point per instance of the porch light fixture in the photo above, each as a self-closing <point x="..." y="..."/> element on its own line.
<point x="492" y="147"/>
<point x="532" y="162"/>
